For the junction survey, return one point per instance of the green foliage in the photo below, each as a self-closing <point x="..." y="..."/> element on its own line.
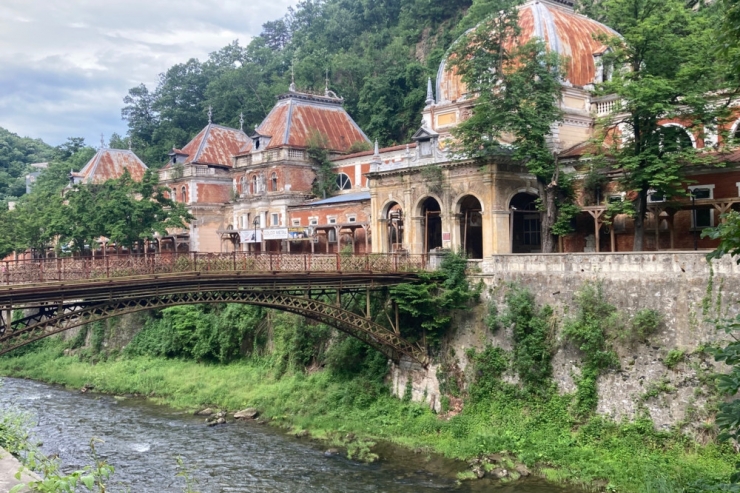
<point x="318" y="151"/>
<point x="533" y="338"/>
<point x="674" y="357"/>
<point x="488" y="367"/>
<point x="645" y="323"/>
<point x="16" y="154"/>
<point x="426" y="307"/>
<point x="664" y="65"/>
<point x="589" y="330"/>
<point x="492" y="320"/>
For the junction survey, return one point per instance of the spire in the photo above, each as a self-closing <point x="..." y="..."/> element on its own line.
<point x="130" y="143"/>
<point x="241" y="121"/>
<point x="430" y="92"/>
<point x="326" y="84"/>
<point x="292" y="77"/>
<point x="102" y="141"/>
<point x="210" y="114"/>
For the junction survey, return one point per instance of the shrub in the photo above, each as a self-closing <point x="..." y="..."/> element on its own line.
<point x="645" y="323"/>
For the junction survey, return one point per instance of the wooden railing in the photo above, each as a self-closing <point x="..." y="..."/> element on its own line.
<point x="113" y="266"/>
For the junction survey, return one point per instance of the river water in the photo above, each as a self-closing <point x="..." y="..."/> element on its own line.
<point x="141" y="441"/>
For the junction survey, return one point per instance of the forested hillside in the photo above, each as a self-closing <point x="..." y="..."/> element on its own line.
<point x="16" y="153"/>
<point x="377" y="55"/>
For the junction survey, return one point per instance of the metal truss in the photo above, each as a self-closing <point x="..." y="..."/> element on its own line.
<point x="55" y="318"/>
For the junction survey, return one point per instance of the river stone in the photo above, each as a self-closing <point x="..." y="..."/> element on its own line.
<point x="215" y="422"/>
<point x="331" y="452"/>
<point x="205" y="412"/>
<point x="249" y="413"/>
<point x="499" y="473"/>
<point x="479" y="472"/>
<point x="523" y="470"/>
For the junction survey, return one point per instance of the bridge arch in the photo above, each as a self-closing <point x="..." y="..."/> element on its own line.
<point x="55" y="319"/>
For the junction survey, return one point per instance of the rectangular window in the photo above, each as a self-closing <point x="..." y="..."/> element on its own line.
<point x="332" y="235"/>
<point x="425" y="147"/>
<point x="296" y="222"/>
<point x="332" y="220"/>
<point x="702" y="218"/>
<point x="313" y="221"/>
<point x="351" y="219"/>
<point x="276" y="219"/>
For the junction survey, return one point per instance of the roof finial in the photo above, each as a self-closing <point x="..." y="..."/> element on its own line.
<point x="210" y="113"/>
<point x="130" y="143"/>
<point x="241" y="121"/>
<point x="430" y="92"/>
<point x="326" y="83"/>
<point x="377" y="150"/>
<point x="102" y="140"/>
<point x="292" y="76"/>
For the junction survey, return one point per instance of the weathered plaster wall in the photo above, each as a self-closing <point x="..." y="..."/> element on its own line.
<point x="679" y="285"/>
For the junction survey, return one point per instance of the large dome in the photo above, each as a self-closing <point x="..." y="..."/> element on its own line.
<point x="564" y="32"/>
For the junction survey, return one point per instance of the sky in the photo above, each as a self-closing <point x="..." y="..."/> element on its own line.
<point x="65" y="65"/>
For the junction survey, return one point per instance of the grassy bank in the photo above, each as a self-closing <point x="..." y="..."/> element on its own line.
<point x="539" y="431"/>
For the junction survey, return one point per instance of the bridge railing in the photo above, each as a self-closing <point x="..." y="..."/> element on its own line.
<point x="24" y="271"/>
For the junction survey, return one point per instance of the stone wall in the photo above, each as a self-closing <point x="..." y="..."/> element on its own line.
<point x="680" y="285"/>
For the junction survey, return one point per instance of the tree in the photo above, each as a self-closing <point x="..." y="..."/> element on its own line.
<point x="318" y="151"/>
<point x="728" y="417"/>
<point x="662" y="68"/>
<point x="518" y="90"/>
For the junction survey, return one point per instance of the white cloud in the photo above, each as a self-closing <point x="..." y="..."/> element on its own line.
<point x="66" y="65"/>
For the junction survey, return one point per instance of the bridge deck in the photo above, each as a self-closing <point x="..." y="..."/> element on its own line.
<point x="105" y="278"/>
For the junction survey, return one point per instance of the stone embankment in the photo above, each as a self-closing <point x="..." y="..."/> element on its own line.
<point x="688" y="291"/>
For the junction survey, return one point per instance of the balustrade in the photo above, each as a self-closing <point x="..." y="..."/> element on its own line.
<point x="120" y="266"/>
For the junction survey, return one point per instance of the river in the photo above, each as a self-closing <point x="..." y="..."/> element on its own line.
<point x="141" y="441"/>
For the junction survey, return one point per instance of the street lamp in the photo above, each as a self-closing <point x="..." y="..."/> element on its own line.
<point x="256" y="223"/>
<point x="693" y="218"/>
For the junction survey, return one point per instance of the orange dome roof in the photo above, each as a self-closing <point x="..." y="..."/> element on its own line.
<point x="565" y="32"/>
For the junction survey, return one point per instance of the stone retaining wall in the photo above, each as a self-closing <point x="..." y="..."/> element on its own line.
<point x="682" y="286"/>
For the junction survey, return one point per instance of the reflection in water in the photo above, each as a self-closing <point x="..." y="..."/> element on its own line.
<point x="141" y="441"/>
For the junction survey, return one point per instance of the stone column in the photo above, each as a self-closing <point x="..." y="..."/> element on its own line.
<point x="500" y="233"/>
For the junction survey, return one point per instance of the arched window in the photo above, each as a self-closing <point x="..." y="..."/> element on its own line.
<point x="253" y="186"/>
<point x="343" y="182"/>
<point x="673" y="138"/>
<point x="273" y="182"/>
<point x="184" y="193"/>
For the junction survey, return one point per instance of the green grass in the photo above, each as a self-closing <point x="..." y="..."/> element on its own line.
<point x="538" y="431"/>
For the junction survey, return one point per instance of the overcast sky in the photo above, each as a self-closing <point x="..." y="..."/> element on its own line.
<point x="65" y="65"/>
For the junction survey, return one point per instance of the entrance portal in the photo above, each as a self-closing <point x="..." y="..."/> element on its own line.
<point x="526" y="224"/>
<point x="431" y="224"/>
<point x="471" y="227"/>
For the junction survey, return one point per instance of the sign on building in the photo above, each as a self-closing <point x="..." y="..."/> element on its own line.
<point x="275" y="234"/>
<point x="251" y="236"/>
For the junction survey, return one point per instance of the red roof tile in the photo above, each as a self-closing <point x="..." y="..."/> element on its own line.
<point x="296" y="116"/>
<point x="565" y="32"/>
<point x="108" y="164"/>
<point x="215" y="145"/>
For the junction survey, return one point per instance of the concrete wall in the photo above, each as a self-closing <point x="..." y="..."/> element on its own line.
<point x="681" y="286"/>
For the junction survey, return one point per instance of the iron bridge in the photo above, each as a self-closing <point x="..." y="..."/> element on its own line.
<point x="55" y="295"/>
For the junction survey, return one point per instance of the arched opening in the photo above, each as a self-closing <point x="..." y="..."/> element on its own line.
<point x="526" y="224"/>
<point x="471" y="227"/>
<point x="273" y="182"/>
<point x="431" y="214"/>
<point x="184" y="194"/>
<point x="674" y="138"/>
<point x="253" y="185"/>
<point x="343" y="182"/>
<point x="394" y="227"/>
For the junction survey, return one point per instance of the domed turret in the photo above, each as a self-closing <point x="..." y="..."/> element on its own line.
<point x="565" y="32"/>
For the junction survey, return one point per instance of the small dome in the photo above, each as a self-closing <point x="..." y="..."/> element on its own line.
<point x="565" y="32"/>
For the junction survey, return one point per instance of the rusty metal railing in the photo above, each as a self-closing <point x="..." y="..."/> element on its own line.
<point x="24" y="271"/>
